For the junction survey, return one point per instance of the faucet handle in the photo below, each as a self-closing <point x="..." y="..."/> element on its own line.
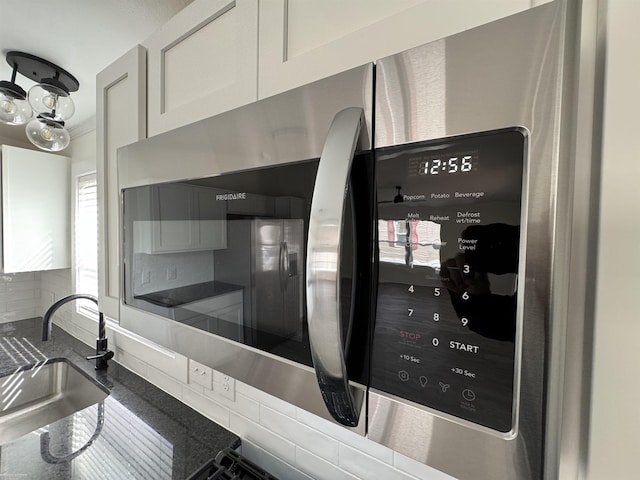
<point x="101" y="359"/>
<point x="108" y="355"/>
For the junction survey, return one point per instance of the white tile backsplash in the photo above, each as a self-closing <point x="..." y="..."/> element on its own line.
<point x="18" y="314"/>
<point x="20" y="277"/>
<point x="32" y="295"/>
<point x="272" y="464"/>
<point x="346" y="436"/>
<point x="165" y="382"/>
<point x="266" y="399"/>
<point x="21" y="286"/>
<point x="248" y="406"/>
<point x="203" y="404"/>
<point x="365" y="466"/>
<point x="260" y="435"/>
<point x="417" y="469"/>
<point x="152" y="273"/>
<point x="132" y="362"/>
<point x="25" y="304"/>
<point x="20" y="296"/>
<point x="313" y="440"/>
<point x="319" y="468"/>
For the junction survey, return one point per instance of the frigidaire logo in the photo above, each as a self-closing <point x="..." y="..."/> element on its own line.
<point x="232" y="196"/>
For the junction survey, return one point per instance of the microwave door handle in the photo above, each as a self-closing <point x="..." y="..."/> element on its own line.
<point x="323" y="265"/>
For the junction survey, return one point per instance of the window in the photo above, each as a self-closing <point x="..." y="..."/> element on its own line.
<point x="86" y="239"/>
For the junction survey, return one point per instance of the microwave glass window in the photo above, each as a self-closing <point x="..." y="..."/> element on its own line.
<point x="224" y="255"/>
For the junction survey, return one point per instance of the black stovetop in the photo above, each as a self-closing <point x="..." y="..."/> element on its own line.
<point x="230" y="465"/>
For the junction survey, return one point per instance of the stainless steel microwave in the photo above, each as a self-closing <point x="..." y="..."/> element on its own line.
<point x="374" y="247"/>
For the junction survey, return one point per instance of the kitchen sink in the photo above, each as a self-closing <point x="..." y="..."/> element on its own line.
<point x="36" y="396"/>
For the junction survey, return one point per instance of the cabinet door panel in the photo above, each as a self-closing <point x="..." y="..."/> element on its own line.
<point x="173" y="236"/>
<point x="212" y="305"/>
<point x="172" y="202"/>
<point x="202" y="62"/>
<point x="211" y="232"/>
<point x="185" y="218"/>
<point x="303" y="41"/>
<point x="35" y="211"/>
<point x="120" y="119"/>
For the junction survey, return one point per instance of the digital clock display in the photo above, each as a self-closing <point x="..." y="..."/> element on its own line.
<point x="446" y="165"/>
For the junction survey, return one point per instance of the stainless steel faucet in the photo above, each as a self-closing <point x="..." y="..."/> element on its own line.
<point x="102" y="352"/>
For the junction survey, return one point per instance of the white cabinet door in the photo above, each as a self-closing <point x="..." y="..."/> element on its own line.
<point x="227" y="307"/>
<point x="211" y="230"/>
<point x="202" y="62"/>
<point x="302" y="41"/>
<point x="174" y="232"/>
<point x="120" y="120"/>
<point x="36" y="210"/>
<point x="186" y="219"/>
<point x="212" y="305"/>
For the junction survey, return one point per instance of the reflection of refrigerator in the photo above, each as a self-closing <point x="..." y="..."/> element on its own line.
<point x="277" y="276"/>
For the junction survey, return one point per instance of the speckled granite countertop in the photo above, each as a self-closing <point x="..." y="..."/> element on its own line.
<point x="147" y="434"/>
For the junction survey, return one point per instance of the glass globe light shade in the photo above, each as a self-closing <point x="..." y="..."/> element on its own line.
<point x="52" y="100"/>
<point x="14" y="109"/>
<point x="47" y="135"/>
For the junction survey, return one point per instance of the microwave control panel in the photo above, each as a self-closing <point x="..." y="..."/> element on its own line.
<point x="449" y="214"/>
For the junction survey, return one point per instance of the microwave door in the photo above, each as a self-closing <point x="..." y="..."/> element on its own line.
<point x="323" y="267"/>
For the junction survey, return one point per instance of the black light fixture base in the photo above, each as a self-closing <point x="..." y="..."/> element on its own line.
<point x="12" y="90"/>
<point x="49" y="120"/>
<point x="39" y="70"/>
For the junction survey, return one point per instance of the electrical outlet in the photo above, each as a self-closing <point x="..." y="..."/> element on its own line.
<point x="224" y="385"/>
<point x="172" y="273"/>
<point x="228" y="388"/>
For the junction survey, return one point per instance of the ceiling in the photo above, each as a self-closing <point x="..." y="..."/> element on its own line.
<point x="81" y="36"/>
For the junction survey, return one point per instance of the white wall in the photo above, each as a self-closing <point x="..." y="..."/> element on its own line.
<point x="615" y="420"/>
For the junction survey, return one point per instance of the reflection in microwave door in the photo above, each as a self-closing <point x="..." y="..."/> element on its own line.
<point x="415" y="241"/>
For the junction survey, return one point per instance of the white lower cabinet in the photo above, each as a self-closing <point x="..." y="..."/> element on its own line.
<point x="220" y="303"/>
<point x="207" y="313"/>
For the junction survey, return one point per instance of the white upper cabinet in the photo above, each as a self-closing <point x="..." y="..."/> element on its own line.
<point x="186" y="219"/>
<point x="202" y="62"/>
<point x="302" y="41"/>
<point x="120" y="119"/>
<point x="36" y="210"/>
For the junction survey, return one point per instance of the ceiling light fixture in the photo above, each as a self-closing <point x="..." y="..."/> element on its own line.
<point x="14" y="107"/>
<point x="49" y="99"/>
